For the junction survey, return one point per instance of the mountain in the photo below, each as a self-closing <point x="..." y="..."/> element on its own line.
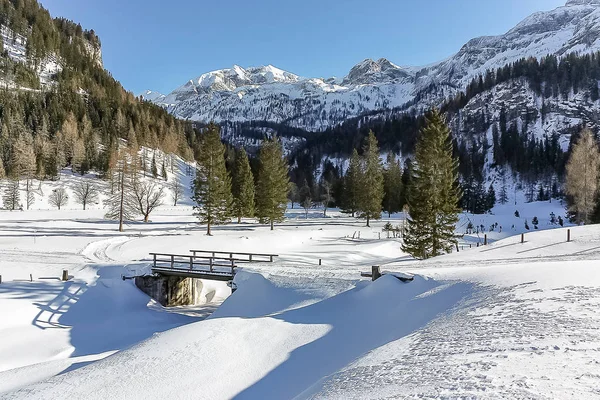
<point x="273" y="95"/>
<point x="59" y="106"/>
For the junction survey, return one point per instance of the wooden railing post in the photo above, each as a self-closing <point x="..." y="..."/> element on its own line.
<point x="522" y="238"/>
<point x="485" y="239"/>
<point x="65" y="275"/>
<point x="568" y="235"/>
<point x="154" y="260"/>
<point x="376" y="273"/>
<point x="191" y="263"/>
<point x="210" y="264"/>
<point x="172" y="261"/>
<point x="250" y="257"/>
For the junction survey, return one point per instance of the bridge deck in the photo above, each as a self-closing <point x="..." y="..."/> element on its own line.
<point x="195" y="273"/>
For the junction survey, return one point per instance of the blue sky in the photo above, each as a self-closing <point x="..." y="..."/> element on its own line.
<point x="159" y="45"/>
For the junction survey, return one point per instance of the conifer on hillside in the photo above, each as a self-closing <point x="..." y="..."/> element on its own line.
<point x="212" y="187"/>
<point x="273" y="183"/>
<point x="371" y="182"/>
<point x="11" y="196"/>
<point x="243" y="187"/>
<point x="352" y="185"/>
<point x="392" y="183"/>
<point x="119" y="203"/>
<point x="434" y="194"/>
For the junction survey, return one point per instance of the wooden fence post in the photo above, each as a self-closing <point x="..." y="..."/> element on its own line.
<point x="210" y="264"/>
<point x="191" y="263"/>
<point x="65" y="275"/>
<point x="172" y="261"/>
<point x="319" y="261"/>
<point x="154" y="260"/>
<point x="376" y="273"/>
<point x="568" y="235"/>
<point x="457" y="247"/>
<point x="485" y="239"/>
<point x="522" y="238"/>
<point x="30" y="278"/>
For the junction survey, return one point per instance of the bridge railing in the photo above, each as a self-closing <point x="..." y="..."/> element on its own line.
<point x="190" y="262"/>
<point x="234" y="255"/>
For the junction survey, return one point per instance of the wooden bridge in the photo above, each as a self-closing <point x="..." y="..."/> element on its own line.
<point x="204" y="264"/>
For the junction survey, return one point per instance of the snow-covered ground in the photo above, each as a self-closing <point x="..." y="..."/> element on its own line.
<point x="507" y="320"/>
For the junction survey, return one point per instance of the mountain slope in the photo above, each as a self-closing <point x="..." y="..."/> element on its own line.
<point x="270" y="94"/>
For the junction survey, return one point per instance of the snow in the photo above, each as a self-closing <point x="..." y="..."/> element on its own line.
<point x="507" y="320"/>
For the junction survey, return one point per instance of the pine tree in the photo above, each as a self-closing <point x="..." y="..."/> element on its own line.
<point x="120" y="205"/>
<point x="434" y="192"/>
<point x="352" y="185"/>
<point x="371" y="193"/>
<point x="273" y="183"/>
<point x="212" y="187"/>
<point x="11" y="196"/>
<point x="583" y="171"/>
<point x="154" y="167"/>
<point x="490" y="198"/>
<point x="392" y="183"/>
<point x="164" y="170"/>
<point x="243" y="187"/>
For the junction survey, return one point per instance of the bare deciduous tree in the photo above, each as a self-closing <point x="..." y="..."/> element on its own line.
<point x="176" y="190"/>
<point x="58" y="198"/>
<point x="583" y="171"/>
<point x="86" y="192"/>
<point x="146" y="196"/>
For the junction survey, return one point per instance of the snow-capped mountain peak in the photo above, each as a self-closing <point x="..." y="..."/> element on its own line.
<point x="268" y="93"/>
<point x="582" y="2"/>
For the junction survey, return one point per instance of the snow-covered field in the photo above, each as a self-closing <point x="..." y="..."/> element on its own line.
<point x="508" y="320"/>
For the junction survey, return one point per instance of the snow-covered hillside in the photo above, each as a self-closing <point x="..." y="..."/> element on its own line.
<point x="270" y="94"/>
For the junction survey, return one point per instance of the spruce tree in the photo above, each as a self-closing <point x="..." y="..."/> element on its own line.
<point x="371" y="190"/>
<point x="243" y="187"/>
<point x="434" y="194"/>
<point x="154" y="168"/>
<point x="490" y="198"/>
<point x="392" y="183"/>
<point x="352" y="185"/>
<point x="212" y="187"/>
<point x="273" y="183"/>
<point x="164" y="170"/>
